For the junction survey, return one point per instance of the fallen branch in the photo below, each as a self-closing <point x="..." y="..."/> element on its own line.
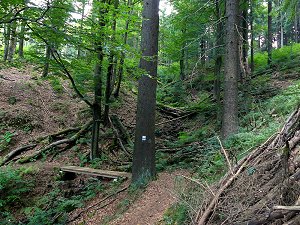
<point x="119" y="139"/>
<point x="178" y="118"/>
<point x="226" y="156"/>
<point x="205" y="187"/>
<point x="124" y="133"/>
<point x="38" y="153"/>
<point x="212" y="204"/>
<point x="16" y="152"/>
<point x="290" y="208"/>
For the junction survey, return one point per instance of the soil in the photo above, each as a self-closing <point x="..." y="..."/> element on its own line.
<point x="31" y="108"/>
<point x="147" y="208"/>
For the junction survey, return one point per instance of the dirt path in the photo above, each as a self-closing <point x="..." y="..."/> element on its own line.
<point x="153" y="203"/>
<point x="148" y="209"/>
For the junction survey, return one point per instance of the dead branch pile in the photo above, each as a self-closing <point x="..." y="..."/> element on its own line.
<point x="261" y="186"/>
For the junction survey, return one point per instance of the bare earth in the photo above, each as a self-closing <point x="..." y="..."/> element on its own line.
<point x="148" y="209"/>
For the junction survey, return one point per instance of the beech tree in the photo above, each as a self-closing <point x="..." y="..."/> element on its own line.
<point x="143" y="166"/>
<point x="231" y="67"/>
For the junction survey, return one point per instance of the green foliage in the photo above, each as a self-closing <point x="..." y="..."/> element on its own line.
<point x="174" y="94"/>
<point x="60" y="204"/>
<point x="263" y="120"/>
<point x="175" y="215"/>
<point x="5" y="140"/>
<point x="56" y="84"/>
<point x="13" y="188"/>
<point x="282" y="58"/>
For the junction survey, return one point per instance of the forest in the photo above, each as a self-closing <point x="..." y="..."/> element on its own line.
<point x="148" y="112"/>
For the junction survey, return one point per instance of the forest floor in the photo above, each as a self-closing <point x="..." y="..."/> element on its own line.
<point x="31" y="108"/>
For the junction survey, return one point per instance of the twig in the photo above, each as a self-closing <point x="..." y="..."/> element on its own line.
<point x="178" y="118"/>
<point x="290" y="208"/>
<point x="226" y="155"/>
<point x="119" y="139"/>
<point x="212" y="204"/>
<point x="198" y="182"/>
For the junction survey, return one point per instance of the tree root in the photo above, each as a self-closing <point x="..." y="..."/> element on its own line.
<point x="16" y="152"/>
<point x="39" y="152"/>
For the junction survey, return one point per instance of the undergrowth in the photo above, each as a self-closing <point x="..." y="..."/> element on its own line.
<point x="264" y="111"/>
<point x="13" y="190"/>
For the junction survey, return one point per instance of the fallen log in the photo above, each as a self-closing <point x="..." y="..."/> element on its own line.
<point x="39" y="152"/>
<point x="16" y="152"/>
<point x="169" y="110"/>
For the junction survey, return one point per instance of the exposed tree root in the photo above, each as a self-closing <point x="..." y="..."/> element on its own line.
<point x="39" y="152"/>
<point x="57" y="134"/>
<point x="16" y="152"/>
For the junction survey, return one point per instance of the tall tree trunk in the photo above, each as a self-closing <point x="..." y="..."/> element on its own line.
<point x="143" y="166"/>
<point x="122" y="59"/>
<point x="296" y="23"/>
<point x="270" y="35"/>
<point x="245" y="45"/>
<point x="252" y="38"/>
<point x="182" y="55"/>
<point x="81" y="26"/>
<point x="13" y="42"/>
<point x="281" y="30"/>
<point x="111" y="68"/>
<point x="7" y="32"/>
<point x="231" y="64"/>
<point x="181" y="64"/>
<point x="218" y="63"/>
<point x="47" y="61"/>
<point x="95" y="150"/>
<point x="21" y="41"/>
<point x="202" y="52"/>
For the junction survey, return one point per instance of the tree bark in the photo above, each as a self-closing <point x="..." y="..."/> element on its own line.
<point x="95" y="150"/>
<point x="296" y="23"/>
<point x="122" y="59"/>
<point x="281" y="30"/>
<point x="13" y="42"/>
<point x="143" y="166"/>
<point x="252" y="38"/>
<point x="181" y="64"/>
<point x="47" y="61"/>
<point x="81" y="26"/>
<point x="110" y="69"/>
<point x="218" y="63"/>
<point x="21" y="41"/>
<point x="231" y="64"/>
<point x="7" y="32"/>
<point x="202" y="55"/>
<point x="245" y="45"/>
<point x="270" y="35"/>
